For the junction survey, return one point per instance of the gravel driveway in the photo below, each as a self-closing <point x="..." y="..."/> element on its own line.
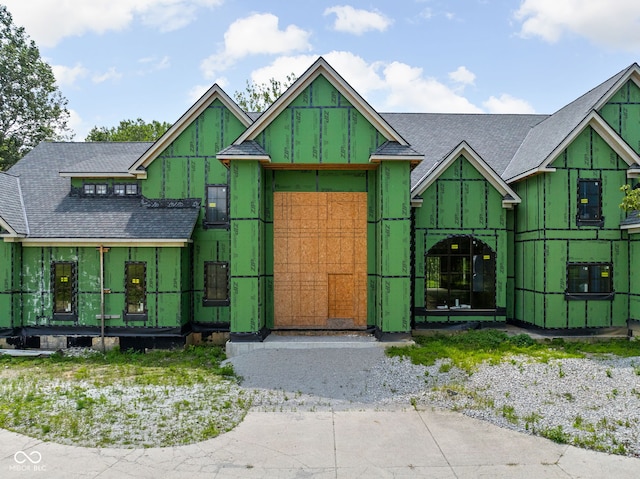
<point x="593" y="403"/>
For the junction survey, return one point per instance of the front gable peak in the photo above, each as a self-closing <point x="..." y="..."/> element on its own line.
<point x="321" y="68"/>
<point x="509" y="196"/>
<point x="214" y="93"/>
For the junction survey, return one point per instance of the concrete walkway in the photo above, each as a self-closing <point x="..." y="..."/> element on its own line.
<point x="347" y="444"/>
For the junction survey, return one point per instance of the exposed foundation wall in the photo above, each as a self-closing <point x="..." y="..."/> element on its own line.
<point x="548" y="236"/>
<point x="461" y="202"/>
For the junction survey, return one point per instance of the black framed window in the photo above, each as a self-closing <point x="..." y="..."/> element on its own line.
<point x="217" y="206"/>
<point x="461" y="275"/>
<point x="101" y="190"/>
<point x="89" y="189"/>
<point x="590" y="202"/>
<point x="118" y="190"/>
<point x="589" y="281"/>
<point x="131" y="189"/>
<point x="216" y="283"/>
<point x="135" y="288"/>
<point x="63" y="276"/>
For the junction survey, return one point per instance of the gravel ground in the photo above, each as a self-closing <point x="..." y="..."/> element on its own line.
<point x="592" y="403"/>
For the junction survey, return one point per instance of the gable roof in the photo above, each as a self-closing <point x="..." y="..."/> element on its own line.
<point x="321" y="67"/>
<point x="12" y="215"/>
<point x="495" y="138"/>
<point x="54" y="215"/>
<point x="509" y="196"/>
<point x="541" y="145"/>
<point x="214" y="93"/>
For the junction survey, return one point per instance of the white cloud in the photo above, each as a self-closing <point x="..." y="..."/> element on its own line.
<point x="463" y="76"/>
<point x="77" y="126"/>
<point x="153" y="64"/>
<point x="67" y="76"/>
<point x="389" y="86"/>
<point x="614" y="23"/>
<point x="356" y="21"/>
<point x="256" y="34"/>
<point x="48" y="22"/>
<point x="506" y="103"/>
<point x="110" y="74"/>
<point x="409" y="90"/>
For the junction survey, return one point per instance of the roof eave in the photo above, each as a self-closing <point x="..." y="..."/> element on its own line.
<point x="159" y="242"/>
<point x="103" y="174"/>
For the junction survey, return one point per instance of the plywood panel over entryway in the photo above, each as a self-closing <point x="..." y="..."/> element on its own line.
<point x="320" y="260"/>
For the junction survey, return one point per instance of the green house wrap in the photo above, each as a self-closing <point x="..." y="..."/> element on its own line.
<point x="324" y="215"/>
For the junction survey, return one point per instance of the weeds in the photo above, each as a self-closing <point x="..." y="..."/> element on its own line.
<point x="121" y="398"/>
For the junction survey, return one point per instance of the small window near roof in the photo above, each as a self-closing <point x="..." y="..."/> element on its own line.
<point x="89" y="189"/>
<point x="132" y="189"/>
<point x="118" y="190"/>
<point x="101" y="190"/>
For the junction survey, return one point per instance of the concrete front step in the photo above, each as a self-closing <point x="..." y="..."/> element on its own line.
<point x="290" y="341"/>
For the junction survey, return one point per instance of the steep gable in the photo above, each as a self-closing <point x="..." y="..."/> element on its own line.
<point x="320" y="119"/>
<point x="215" y="95"/>
<point x="547" y="139"/>
<point x="509" y="197"/>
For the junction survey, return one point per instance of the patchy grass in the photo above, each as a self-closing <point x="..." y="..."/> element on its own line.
<point x="470" y="349"/>
<point x="121" y="399"/>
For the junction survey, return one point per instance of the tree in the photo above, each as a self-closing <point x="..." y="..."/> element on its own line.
<point x="129" y="130"/>
<point x="32" y="109"/>
<point x="631" y="199"/>
<point x="258" y="97"/>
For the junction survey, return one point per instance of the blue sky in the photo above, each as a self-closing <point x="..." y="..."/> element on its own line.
<point x="152" y="59"/>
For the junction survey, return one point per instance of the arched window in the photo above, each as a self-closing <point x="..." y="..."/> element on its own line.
<point x="461" y="274"/>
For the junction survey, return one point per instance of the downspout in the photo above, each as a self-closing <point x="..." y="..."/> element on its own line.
<point x="102" y="251"/>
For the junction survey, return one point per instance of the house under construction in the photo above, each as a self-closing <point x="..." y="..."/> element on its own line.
<point x="322" y="214"/>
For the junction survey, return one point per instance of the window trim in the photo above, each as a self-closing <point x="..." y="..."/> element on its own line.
<point x="121" y="187"/>
<point x="71" y="315"/>
<point x="599" y="221"/>
<point x="587" y="296"/>
<point x="215" y="224"/>
<point x="215" y="302"/>
<point x="137" y="316"/>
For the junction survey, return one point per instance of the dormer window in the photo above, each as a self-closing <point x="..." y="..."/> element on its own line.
<point x="101" y="190"/>
<point x="118" y="190"/>
<point x="89" y="189"/>
<point x="131" y="189"/>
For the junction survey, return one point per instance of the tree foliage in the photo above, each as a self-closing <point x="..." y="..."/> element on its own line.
<point x="631" y="198"/>
<point x="257" y="97"/>
<point x="129" y="130"/>
<point x="32" y="109"/>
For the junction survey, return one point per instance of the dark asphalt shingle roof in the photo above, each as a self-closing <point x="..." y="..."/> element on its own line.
<point x="11" y="209"/>
<point x="633" y="218"/>
<point x="393" y="148"/>
<point x="548" y="134"/>
<point x="246" y="148"/>
<point x="52" y="213"/>
<point x="494" y="137"/>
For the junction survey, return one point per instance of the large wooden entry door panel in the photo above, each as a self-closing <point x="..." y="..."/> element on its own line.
<point x="320" y="260"/>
